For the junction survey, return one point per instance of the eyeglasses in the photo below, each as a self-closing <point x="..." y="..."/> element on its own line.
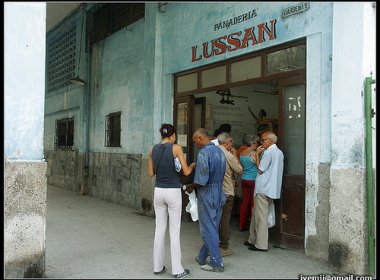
<point x="262" y="140"/>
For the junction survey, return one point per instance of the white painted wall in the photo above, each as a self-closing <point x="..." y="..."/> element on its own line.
<point x="369" y="59"/>
<point x="351" y="64"/>
<point x="24" y="80"/>
<point x="347" y="86"/>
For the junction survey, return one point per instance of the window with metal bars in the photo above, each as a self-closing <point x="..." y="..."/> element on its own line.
<point x="113" y="129"/>
<point x="110" y="18"/>
<point x="61" y="60"/>
<point x="64" y="131"/>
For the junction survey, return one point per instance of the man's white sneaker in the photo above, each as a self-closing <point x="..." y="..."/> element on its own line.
<point x="208" y="267"/>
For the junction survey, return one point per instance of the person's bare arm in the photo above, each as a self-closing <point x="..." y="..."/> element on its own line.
<point x="150" y="163"/>
<point x="258" y="153"/>
<point x="177" y="152"/>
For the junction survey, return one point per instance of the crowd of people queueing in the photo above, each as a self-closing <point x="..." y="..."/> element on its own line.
<point x="259" y="162"/>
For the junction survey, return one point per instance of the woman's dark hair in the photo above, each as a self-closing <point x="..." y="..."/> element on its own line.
<point x="167" y="130"/>
<point x="222" y="128"/>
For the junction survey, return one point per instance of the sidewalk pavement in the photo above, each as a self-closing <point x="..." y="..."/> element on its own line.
<point x="88" y="238"/>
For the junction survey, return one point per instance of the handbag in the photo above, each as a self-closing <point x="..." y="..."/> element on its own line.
<point x="271" y="215"/>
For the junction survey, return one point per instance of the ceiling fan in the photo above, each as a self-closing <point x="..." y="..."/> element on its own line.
<point x="226" y="92"/>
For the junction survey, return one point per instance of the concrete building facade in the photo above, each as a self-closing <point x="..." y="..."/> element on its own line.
<point x="151" y="71"/>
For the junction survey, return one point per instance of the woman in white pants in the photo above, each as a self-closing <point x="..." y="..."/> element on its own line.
<point x="168" y="199"/>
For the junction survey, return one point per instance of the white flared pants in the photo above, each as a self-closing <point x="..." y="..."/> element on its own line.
<point x="167" y="204"/>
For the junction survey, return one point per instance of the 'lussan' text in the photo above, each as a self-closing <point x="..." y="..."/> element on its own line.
<point x="236" y="40"/>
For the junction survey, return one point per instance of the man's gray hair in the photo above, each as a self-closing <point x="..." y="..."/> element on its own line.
<point x="272" y="136"/>
<point x="224" y="137"/>
<point x="201" y="131"/>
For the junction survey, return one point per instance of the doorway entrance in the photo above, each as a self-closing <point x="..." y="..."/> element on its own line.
<point x="264" y="91"/>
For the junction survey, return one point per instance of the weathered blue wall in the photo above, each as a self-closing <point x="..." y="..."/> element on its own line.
<point x="181" y="30"/>
<point x="117" y="85"/>
<point x="137" y="66"/>
<point x="181" y="33"/>
<point x="67" y="102"/>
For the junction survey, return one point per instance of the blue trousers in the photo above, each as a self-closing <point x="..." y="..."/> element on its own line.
<point x="210" y="209"/>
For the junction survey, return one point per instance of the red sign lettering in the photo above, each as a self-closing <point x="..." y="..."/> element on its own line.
<point x="233" y="41"/>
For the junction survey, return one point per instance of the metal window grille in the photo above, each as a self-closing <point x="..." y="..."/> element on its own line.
<point x="110" y="18"/>
<point x="61" y="60"/>
<point x="64" y="131"/>
<point x="113" y="129"/>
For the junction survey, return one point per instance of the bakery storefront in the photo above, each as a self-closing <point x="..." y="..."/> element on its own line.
<point x="294" y="68"/>
<point x="269" y="66"/>
<point x="260" y="90"/>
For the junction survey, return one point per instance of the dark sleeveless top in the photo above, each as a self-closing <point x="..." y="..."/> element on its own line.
<point x="166" y="176"/>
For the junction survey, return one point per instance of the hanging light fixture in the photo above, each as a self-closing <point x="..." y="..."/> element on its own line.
<point x="78" y="80"/>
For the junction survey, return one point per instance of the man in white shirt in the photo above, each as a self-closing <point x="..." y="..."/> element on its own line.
<point x="268" y="187"/>
<point x="222" y="128"/>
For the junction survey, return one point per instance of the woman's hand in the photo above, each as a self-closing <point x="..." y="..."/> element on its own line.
<point x="260" y="149"/>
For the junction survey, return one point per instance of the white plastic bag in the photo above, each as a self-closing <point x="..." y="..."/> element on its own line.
<point x="177" y="164"/>
<point x="271" y="215"/>
<point x="192" y="206"/>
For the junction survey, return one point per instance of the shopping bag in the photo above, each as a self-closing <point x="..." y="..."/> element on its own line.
<point x="192" y="205"/>
<point x="177" y="164"/>
<point x="271" y="215"/>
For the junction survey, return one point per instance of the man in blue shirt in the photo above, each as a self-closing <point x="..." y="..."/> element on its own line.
<point x="268" y="187"/>
<point x="208" y="181"/>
